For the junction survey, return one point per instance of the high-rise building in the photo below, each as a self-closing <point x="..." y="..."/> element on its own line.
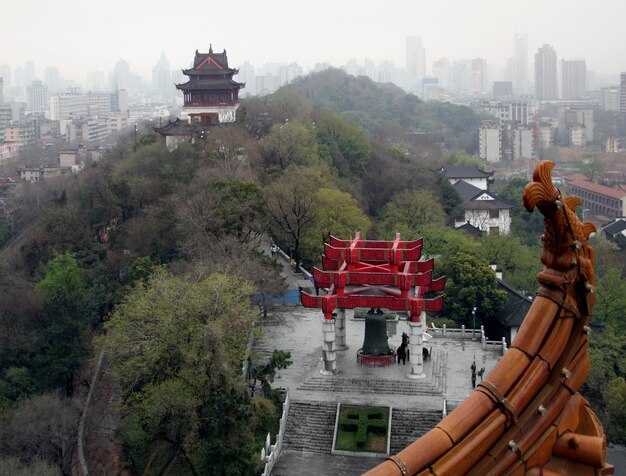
<point x="38" y="99"/>
<point x="247" y="75"/>
<point x="520" y="64"/>
<point x="489" y="141"/>
<point x="5" y="72"/>
<point x="29" y="73"/>
<point x="415" y="58"/>
<point x="460" y="76"/>
<point x="289" y="72"/>
<point x="120" y="78"/>
<point x="369" y="68"/>
<point x="162" y="77"/>
<point x="610" y="98"/>
<point x="441" y="71"/>
<point x="52" y="78"/>
<point x="96" y="81"/>
<point x="545" y="74"/>
<point x="574" y="74"/>
<point x="622" y="93"/>
<point x="478" y="76"/>
<point x="1" y="90"/>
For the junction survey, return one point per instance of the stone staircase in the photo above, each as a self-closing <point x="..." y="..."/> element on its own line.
<point x="310" y="427"/>
<point x="309" y="433"/>
<point x="433" y="384"/>
<point x="407" y="425"/>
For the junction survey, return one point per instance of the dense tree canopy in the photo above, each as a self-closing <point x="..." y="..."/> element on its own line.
<point x="177" y="347"/>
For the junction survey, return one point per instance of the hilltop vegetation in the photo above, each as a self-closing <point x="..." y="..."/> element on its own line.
<point x="152" y="256"/>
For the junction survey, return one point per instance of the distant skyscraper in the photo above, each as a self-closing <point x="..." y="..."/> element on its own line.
<point x="369" y="68"/>
<point x="289" y="72"/>
<point x="460" y="76"/>
<point x="520" y="64"/>
<point x="162" y="77"/>
<point x="96" y="81"/>
<point x="545" y="74"/>
<point x="574" y="78"/>
<point x="622" y="93"/>
<point x="415" y="58"/>
<point x="5" y="72"/>
<point x="441" y="71"/>
<point x="29" y="73"/>
<point x="610" y="98"/>
<point x="52" y="79"/>
<point x="478" y="76"/>
<point x="247" y="75"/>
<point x="1" y="90"/>
<point x="38" y="100"/>
<point x="120" y="78"/>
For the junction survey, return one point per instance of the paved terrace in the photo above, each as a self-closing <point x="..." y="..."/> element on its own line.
<point x="299" y="331"/>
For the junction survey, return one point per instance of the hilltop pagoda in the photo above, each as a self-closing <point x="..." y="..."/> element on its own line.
<point x="211" y="97"/>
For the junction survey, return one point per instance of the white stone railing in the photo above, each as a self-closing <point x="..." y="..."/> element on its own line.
<point x="494" y="344"/>
<point x="271" y="453"/>
<point x="464" y="333"/>
<point x="461" y="333"/>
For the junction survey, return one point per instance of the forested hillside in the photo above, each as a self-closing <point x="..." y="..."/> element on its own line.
<point x="152" y="256"/>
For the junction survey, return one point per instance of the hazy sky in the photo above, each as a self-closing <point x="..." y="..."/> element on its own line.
<point x="82" y="36"/>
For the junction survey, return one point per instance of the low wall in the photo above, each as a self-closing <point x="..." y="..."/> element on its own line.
<point x="271" y="453"/>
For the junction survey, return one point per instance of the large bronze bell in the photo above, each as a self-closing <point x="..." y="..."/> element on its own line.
<point x="375" y="341"/>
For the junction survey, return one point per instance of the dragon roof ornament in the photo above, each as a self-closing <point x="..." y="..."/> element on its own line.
<point x="527" y="417"/>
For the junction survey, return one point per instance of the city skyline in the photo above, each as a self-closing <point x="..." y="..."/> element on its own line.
<point x="80" y="41"/>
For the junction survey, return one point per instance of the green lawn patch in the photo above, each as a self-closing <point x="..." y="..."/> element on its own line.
<point x="362" y="429"/>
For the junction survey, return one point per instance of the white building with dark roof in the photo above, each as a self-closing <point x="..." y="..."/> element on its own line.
<point x="470" y="174"/>
<point x="614" y="229"/>
<point x="483" y="210"/>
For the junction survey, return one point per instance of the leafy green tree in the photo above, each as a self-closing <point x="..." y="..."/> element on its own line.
<point x="265" y="373"/>
<point x="604" y="386"/>
<point x="387" y="175"/>
<point x="449" y="197"/>
<point x="470" y="282"/>
<point x="443" y="241"/>
<point x="347" y="143"/>
<point x="528" y="226"/>
<point x="410" y="210"/>
<point x="287" y="104"/>
<point x="611" y="300"/>
<point x="460" y="157"/>
<point x="177" y="347"/>
<point x="616" y="409"/>
<point x="289" y="144"/>
<point x="336" y="213"/>
<point x="291" y="203"/>
<point x="61" y="345"/>
<point x="519" y="263"/>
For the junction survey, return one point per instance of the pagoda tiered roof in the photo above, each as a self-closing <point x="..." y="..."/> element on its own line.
<point x="212" y="84"/>
<point x="365" y="273"/>
<point x="210" y="64"/>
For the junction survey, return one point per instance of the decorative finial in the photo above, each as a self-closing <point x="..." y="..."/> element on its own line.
<point x="210" y="49"/>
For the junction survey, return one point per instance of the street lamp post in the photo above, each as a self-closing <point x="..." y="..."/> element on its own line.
<point x="474" y="323"/>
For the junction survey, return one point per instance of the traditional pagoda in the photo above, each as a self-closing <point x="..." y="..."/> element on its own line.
<point x="211" y="97"/>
